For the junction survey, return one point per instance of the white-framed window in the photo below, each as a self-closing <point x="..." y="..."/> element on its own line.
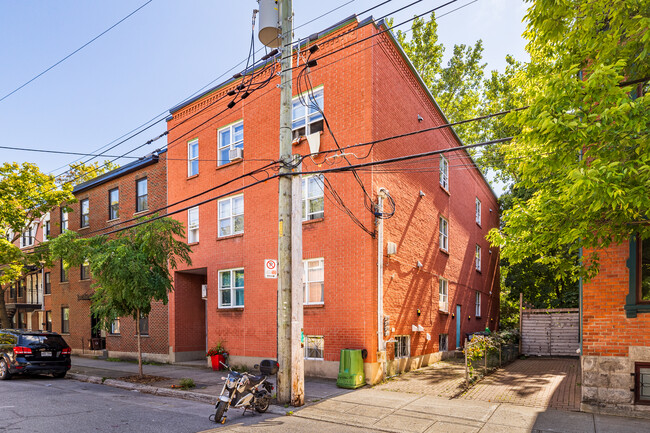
<point x="478" y="258"/>
<point x="314" y="347"/>
<point x="443" y="295"/>
<point x="64" y="221"/>
<point x="444" y="234"/>
<point x="47" y="228"/>
<point x="307" y="119"/>
<point x="85" y="271"/>
<point x="478" y="211"/>
<point x="114" y="204"/>
<point x="444" y="172"/>
<point x="313" y="197"/>
<point x="402" y="346"/>
<point x="84" y="205"/>
<point x="115" y="326"/>
<point x="193" y="157"/>
<point x="314" y="281"/>
<point x="231" y="215"/>
<point x="27" y="238"/>
<point x="443" y="342"/>
<point x="231" y="288"/>
<point x="478" y="304"/>
<point x="141" y="195"/>
<point x="193" y="225"/>
<point x="230" y="137"/>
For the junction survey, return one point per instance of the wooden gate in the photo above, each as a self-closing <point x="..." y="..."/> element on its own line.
<point x="550" y="332"/>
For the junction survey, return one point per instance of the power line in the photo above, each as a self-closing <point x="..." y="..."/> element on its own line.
<point x="74" y="52"/>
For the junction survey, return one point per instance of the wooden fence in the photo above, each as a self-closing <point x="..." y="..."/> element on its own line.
<point x="550" y="332"/>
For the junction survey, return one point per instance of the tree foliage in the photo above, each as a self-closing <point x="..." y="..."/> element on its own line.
<point x="129" y="270"/>
<point x="26" y="195"/>
<point x="80" y="172"/>
<point x="583" y="146"/>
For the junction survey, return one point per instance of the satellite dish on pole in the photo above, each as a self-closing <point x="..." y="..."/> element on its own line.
<point x="270" y="33"/>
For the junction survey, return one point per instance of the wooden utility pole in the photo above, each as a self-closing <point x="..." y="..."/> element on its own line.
<point x="284" y="208"/>
<point x="297" y="295"/>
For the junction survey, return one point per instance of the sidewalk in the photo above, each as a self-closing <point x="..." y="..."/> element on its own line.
<point x="365" y="409"/>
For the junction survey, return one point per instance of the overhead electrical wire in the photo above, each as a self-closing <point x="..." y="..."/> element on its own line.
<point x="74" y="52"/>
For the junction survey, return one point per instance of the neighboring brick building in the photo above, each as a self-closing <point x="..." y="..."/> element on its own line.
<point x="435" y="290"/>
<point x="103" y="202"/>
<point x="615" y="338"/>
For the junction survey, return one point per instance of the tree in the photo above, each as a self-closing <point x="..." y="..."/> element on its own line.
<point x="130" y="270"/>
<point x="26" y="194"/>
<point x="583" y="146"/>
<point x="80" y="172"/>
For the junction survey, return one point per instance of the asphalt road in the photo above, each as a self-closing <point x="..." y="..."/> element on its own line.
<point x="42" y="404"/>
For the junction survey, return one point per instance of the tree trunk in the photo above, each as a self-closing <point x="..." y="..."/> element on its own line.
<point x="4" y="317"/>
<point x="137" y="326"/>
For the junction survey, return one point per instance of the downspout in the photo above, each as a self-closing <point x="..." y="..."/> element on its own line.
<point x="580" y="299"/>
<point x="380" y="281"/>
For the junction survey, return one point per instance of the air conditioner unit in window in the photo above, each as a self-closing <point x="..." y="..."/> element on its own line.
<point x="236" y="153"/>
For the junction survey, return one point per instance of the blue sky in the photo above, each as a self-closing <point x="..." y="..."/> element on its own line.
<point x="163" y="54"/>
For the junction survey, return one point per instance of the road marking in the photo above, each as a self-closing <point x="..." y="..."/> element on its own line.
<point x="6" y="407"/>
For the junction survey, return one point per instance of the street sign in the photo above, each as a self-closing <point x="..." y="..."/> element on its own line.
<point x="270" y="268"/>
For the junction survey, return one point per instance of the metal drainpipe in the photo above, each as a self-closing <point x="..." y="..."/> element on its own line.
<point x="380" y="279"/>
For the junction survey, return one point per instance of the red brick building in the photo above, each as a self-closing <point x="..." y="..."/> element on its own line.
<point x="438" y="275"/>
<point x="615" y="324"/>
<point x="104" y="202"/>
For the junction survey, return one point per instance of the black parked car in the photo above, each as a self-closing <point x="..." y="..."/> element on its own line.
<point x="25" y="352"/>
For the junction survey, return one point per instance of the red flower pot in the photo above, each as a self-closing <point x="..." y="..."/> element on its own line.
<point x="216" y="361"/>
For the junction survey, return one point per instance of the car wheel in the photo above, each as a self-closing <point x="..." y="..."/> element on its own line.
<point x="59" y="375"/>
<point x="4" y="370"/>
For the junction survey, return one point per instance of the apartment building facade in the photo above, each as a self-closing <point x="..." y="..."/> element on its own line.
<point x="436" y="279"/>
<point x="104" y="203"/>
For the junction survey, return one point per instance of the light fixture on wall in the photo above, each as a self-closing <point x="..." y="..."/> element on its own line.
<point x="420" y="119"/>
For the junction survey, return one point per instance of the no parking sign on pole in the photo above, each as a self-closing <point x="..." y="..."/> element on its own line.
<point x="270" y="268"/>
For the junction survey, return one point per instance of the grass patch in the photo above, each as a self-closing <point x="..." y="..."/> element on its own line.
<point x="133" y="361"/>
<point x="186" y="384"/>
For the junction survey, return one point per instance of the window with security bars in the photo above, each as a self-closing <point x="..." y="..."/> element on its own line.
<point x="313" y="197"/>
<point x="314" y="346"/>
<point x="402" y="346"/>
<point x="443" y="342"/>
<point x="642" y="383"/>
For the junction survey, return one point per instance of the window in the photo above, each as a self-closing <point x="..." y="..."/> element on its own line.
<point x="27" y="239"/>
<point x="64" y="272"/>
<point x="314" y="346"/>
<point x="48" y="321"/>
<point x="643" y="274"/>
<point x="193" y="157"/>
<point x="12" y="291"/>
<point x="85" y="271"/>
<point x="65" y="320"/>
<point x="314" y="281"/>
<point x="46" y="227"/>
<point x="313" y="198"/>
<point x="443" y="342"/>
<point x="64" y="221"/>
<point x="231" y="216"/>
<point x="144" y="324"/>
<point x="115" y="326"/>
<point x="444" y="173"/>
<point x="478" y="258"/>
<point x="193" y="225"/>
<point x="307" y="120"/>
<point x="478" y="304"/>
<point x="402" y="346"/>
<point x="142" y="195"/>
<point x="642" y="383"/>
<point x="21" y="288"/>
<point x="478" y="211"/>
<point x="84" y="205"/>
<point x="231" y="288"/>
<point x="444" y="234"/>
<point x="230" y="137"/>
<point x="113" y="204"/>
<point x="47" y="289"/>
<point x="443" y="292"/>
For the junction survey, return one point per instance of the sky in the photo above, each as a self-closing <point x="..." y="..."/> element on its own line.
<point x="163" y="54"/>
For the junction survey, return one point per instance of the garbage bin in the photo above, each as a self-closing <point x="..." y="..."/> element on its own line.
<point x="351" y="373"/>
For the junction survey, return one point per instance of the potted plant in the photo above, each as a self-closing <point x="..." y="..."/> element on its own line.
<point x="217" y="355"/>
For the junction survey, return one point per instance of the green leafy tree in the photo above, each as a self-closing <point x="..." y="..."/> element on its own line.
<point x="26" y="195"/>
<point x="130" y="270"/>
<point x="80" y="172"/>
<point x="583" y="145"/>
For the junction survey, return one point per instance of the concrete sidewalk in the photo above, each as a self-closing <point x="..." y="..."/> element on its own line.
<point x="365" y="409"/>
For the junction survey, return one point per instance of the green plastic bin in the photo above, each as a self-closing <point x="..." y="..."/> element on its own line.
<point x="351" y="373"/>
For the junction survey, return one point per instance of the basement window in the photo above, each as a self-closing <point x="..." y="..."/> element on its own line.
<point x="314" y="347"/>
<point x="402" y="346"/>
<point x="443" y="342"/>
<point x="642" y="383"/>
